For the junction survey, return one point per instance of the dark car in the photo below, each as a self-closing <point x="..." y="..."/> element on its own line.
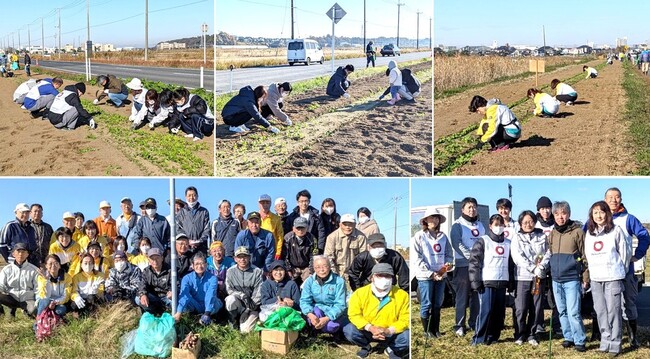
<point x="390" y="50"/>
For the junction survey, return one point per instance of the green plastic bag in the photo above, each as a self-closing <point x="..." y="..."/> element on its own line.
<point x="283" y="319"/>
<point x="155" y="336"/>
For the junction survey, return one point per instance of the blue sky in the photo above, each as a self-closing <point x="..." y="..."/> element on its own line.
<point x="121" y="22"/>
<point x="581" y="193"/>
<point x="80" y="194"/>
<point x="477" y="22"/>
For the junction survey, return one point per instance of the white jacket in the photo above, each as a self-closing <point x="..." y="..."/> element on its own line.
<point x="19" y="282"/>
<point x="529" y="249"/>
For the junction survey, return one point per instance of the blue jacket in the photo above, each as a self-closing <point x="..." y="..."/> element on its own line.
<point x="194" y="222"/>
<point x="330" y="297"/>
<point x="203" y="290"/>
<point x="157" y="230"/>
<point x="126" y="229"/>
<point x="44" y="88"/>
<point x="244" y="102"/>
<point x="225" y="230"/>
<point x="14" y="233"/>
<point x="334" y="87"/>
<point x="261" y="247"/>
<point x="287" y="288"/>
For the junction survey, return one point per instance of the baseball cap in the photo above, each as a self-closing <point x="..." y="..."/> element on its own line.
<point x="104" y="204"/>
<point x="22" y="207"/>
<point x="142" y="204"/>
<point x="242" y="250"/>
<point x="280" y="200"/>
<point x="300" y="222"/>
<point x="278" y="263"/>
<point x="216" y="244"/>
<point x="67" y="215"/>
<point x="253" y="215"/>
<point x="375" y="238"/>
<point x="382" y="268"/>
<point x="20" y="246"/>
<point x="264" y="197"/>
<point x="154" y="252"/>
<point x="125" y="199"/>
<point x="181" y="235"/>
<point x="151" y="201"/>
<point x="348" y="218"/>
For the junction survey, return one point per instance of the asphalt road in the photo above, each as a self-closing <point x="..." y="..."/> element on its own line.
<point x="253" y="76"/>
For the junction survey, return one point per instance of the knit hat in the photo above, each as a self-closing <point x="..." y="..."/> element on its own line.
<point x="544" y="202"/>
<point x="81" y="87"/>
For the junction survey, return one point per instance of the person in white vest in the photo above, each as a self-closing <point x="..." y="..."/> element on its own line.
<point x="531" y="257"/>
<point x="433" y="258"/>
<point x="464" y="232"/>
<point x="491" y="272"/>
<point x="504" y="208"/>
<point x="66" y="112"/>
<point x="608" y="253"/>
<point x="23" y="90"/>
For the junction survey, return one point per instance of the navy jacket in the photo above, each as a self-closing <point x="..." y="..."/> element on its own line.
<point x="287" y="288"/>
<point x="244" y="102"/>
<point x="334" y="86"/>
<point x="225" y="230"/>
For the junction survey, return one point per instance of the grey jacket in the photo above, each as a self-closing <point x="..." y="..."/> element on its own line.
<point x="245" y="285"/>
<point x="195" y="223"/>
<point x="156" y="229"/>
<point x="272" y="100"/>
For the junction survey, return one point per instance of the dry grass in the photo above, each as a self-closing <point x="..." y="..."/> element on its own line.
<point x="193" y="58"/>
<point x="457" y="72"/>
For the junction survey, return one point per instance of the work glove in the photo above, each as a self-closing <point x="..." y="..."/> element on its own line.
<point x="478" y="145"/>
<point x="107" y="91"/>
<point x="274" y="129"/>
<point x="80" y="302"/>
<point x="95" y="101"/>
<point x="205" y="319"/>
<point x="539" y="272"/>
<point x="346" y="95"/>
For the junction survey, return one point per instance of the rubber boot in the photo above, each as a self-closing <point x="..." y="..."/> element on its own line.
<point x="426" y="324"/>
<point x="595" y="330"/>
<point x="634" y="339"/>
<point x="434" y="324"/>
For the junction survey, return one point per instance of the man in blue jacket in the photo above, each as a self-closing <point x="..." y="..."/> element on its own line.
<point x="42" y="95"/>
<point x="199" y="292"/>
<point x="17" y="231"/>
<point x="153" y="226"/>
<point x="258" y="241"/>
<point x="338" y="84"/>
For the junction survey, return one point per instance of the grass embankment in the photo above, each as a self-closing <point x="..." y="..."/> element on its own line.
<point x="455" y="150"/>
<point x="99" y="336"/>
<point x="637" y="111"/>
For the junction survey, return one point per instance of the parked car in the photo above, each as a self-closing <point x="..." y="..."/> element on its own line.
<point x="304" y="50"/>
<point x="390" y="50"/>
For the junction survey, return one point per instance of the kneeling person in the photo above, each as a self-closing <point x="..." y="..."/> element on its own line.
<point x="243" y="284"/>
<point x="499" y="126"/>
<point x="123" y="279"/>
<point x="199" y="292"/>
<point x="66" y="111"/>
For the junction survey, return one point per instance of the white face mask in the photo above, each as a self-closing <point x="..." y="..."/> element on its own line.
<point x="498" y="230"/>
<point x="377" y="253"/>
<point x="328" y="210"/>
<point x="87" y="268"/>
<point x="150" y="212"/>
<point x="192" y="204"/>
<point x="363" y="220"/>
<point x="144" y="249"/>
<point x="120" y="265"/>
<point x="383" y="284"/>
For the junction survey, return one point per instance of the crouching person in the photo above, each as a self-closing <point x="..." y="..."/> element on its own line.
<point x="87" y="287"/>
<point x="338" y="84"/>
<point x="123" y="279"/>
<point x="380" y="312"/>
<point x="54" y="287"/>
<point x="18" y="282"/>
<point x="323" y="298"/>
<point x="243" y="284"/>
<point x="199" y="292"/>
<point x="195" y="117"/>
<point x="280" y="291"/>
<point x="155" y="291"/>
<point x="66" y="112"/>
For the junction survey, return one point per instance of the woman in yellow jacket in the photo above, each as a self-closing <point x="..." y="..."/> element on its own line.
<point x="54" y="287"/>
<point x="66" y="250"/>
<point x="90" y="236"/>
<point x="142" y="260"/>
<point x="379" y="312"/>
<point x="499" y="126"/>
<point x="545" y="104"/>
<point x="87" y="287"/>
<point x="102" y="264"/>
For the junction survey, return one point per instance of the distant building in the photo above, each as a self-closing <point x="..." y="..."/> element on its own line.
<point x="104" y="47"/>
<point x="170" y="45"/>
<point x="68" y="48"/>
<point x="621" y="41"/>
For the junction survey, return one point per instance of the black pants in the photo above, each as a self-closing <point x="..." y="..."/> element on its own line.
<point x="370" y="58"/>
<point x="11" y="302"/>
<point x="237" y="119"/>
<point x="500" y="138"/>
<point x="266" y="110"/>
<point x="566" y="98"/>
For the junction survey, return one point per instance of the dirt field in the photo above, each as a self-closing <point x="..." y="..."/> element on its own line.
<point x="588" y="141"/>
<point x="356" y="137"/>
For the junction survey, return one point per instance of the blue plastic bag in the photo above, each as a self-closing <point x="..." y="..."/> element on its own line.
<point x="155" y="336"/>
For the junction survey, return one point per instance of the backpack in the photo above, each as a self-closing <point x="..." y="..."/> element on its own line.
<point x="45" y="324"/>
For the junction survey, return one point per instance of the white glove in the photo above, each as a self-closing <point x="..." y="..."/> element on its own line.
<point x="80" y="302"/>
<point x="274" y="129"/>
<point x="107" y="91"/>
<point x="346" y="95"/>
<point x="287" y="122"/>
<point x="95" y="101"/>
<point x="538" y="271"/>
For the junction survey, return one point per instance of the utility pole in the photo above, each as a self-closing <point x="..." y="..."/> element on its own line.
<point x="88" y="42"/>
<point x="42" y="38"/>
<point x="430" y="37"/>
<point x="146" y="30"/>
<point x="417" y="37"/>
<point x="396" y="199"/>
<point x="19" y="47"/>
<point x="364" y="26"/>
<point x="399" y="6"/>
<point x="29" y="39"/>
<point x="59" y="34"/>
<point x="292" y="21"/>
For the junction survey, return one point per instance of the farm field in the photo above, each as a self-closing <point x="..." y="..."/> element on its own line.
<point x="586" y="142"/>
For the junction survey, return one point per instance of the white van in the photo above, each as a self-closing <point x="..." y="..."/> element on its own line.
<point x="304" y="50"/>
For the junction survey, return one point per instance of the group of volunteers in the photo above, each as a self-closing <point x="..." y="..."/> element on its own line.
<point x="9" y="64"/>
<point x="588" y="270"/>
<point x="333" y="268"/>
<point x="500" y="127"/>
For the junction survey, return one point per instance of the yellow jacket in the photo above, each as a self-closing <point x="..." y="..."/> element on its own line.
<point x="273" y="224"/>
<point x="103" y="242"/>
<point x="141" y="261"/>
<point x="59" y="291"/>
<point x="87" y="284"/>
<point x="76" y="236"/>
<point x="68" y="255"/>
<point x="363" y="309"/>
<point x="496" y="114"/>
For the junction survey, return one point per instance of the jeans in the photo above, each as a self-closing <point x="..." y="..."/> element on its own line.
<point x="399" y="343"/>
<point x="137" y="105"/>
<point x="393" y="91"/>
<point x="567" y="299"/>
<point x="156" y="304"/>
<point x="432" y="293"/>
<point x="117" y="98"/>
<point x="60" y="309"/>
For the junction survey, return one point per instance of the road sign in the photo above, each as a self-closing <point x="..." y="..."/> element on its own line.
<point x="336" y="13"/>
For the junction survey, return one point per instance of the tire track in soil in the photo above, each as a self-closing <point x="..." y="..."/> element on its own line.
<point x="588" y="143"/>
<point x="451" y="113"/>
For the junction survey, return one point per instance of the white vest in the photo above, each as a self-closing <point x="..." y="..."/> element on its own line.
<point x="24" y="88"/>
<point x="495" y="260"/>
<point x="60" y="106"/>
<point x="605" y="262"/>
<point x="547" y="230"/>
<point x="34" y="93"/>
<point x="511" y="230"/>
<point x="435" y="247"/>
<point x="471" y="233"/>
<point x="621" y="221"/>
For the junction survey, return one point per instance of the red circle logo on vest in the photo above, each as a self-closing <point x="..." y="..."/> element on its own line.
<point x="506" y="234"/>
<point x="437" y="248"/>
<point x="500" y="250"/>
<point x="598" y="246"/>
<point x="547" y="231"/>
<point x="475" y="232"/>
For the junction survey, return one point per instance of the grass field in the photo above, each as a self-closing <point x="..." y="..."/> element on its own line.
<point x="637" y="89"/>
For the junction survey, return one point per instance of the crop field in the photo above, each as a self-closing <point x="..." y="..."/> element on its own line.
<point x="586" y="141"/>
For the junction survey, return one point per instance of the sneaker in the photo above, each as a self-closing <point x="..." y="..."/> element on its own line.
<point x="363" y="353"/>
<point x="533" y="342"/>
<point x="152" y="127"/>
<point x="398" y="97"/>
<point x="175" y="129"/>
<point x="237" y="129"/>
<point x="244" y="128"/>
<point x="567" y="344"/>
<point x="196" y="139"/>
<point x="287" y="122"/>
<point x="569" y="103"/>
<point x="274" y="129"/>
<point x="392" y="101"/>
<point x="581" y="348"/>
<point x="460" y="332"/>
<point x="92" y="124"/>
<point x="23" y="107"/>
<point x="189" y="135"/>
<point x="519" y="342"/>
